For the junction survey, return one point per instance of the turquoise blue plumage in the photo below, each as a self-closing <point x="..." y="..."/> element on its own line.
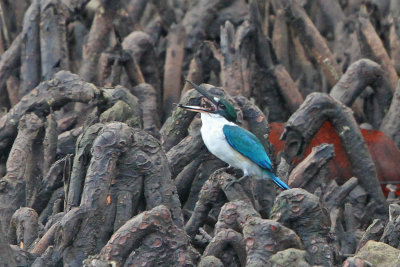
<point x="229" y="142"/>
<point x="249" y="146"/>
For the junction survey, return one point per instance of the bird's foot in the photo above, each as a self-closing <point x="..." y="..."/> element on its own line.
<point x="235" y="181"/>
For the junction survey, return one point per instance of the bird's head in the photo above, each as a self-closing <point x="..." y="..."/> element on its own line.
<point x="212" y="104"/>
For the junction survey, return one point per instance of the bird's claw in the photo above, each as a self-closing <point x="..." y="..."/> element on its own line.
<point x="230" y="184"/>
<point x="234" y="182"/>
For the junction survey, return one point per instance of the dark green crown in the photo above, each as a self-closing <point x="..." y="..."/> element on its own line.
<point x="220" y="106"/>
<point x="226" y="110"/>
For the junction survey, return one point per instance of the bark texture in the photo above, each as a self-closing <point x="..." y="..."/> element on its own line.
<point x="100" y="167"/>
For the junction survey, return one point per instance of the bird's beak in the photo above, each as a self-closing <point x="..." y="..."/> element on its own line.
<point x="203" y="92"/>
<point x="194" y="108"/>
<point x="207" y="98"/>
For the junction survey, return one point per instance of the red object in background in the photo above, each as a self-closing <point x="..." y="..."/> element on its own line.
<point x="384" y="153"/>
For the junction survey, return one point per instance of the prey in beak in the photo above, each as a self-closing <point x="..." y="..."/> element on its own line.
<point x="213" y="104"/>
<point x="208" y="104"/>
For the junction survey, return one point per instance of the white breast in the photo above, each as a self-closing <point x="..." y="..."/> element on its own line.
<point x="216" y="143"/>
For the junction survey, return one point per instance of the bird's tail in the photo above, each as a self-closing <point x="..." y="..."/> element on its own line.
<point x="277" y="181"/>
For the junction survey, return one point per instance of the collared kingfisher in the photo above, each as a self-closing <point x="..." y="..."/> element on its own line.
<point x="228" y="141"/>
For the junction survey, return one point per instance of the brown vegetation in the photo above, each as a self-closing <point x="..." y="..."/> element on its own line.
<point x="100" y="168"/>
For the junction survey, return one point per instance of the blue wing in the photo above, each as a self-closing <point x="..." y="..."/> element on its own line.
<point x="248" y="145"/>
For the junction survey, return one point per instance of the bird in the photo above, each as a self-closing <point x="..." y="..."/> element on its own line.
<point x="228" y="141"/>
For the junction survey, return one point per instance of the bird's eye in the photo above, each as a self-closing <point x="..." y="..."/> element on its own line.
<point x="221" y="105"/>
